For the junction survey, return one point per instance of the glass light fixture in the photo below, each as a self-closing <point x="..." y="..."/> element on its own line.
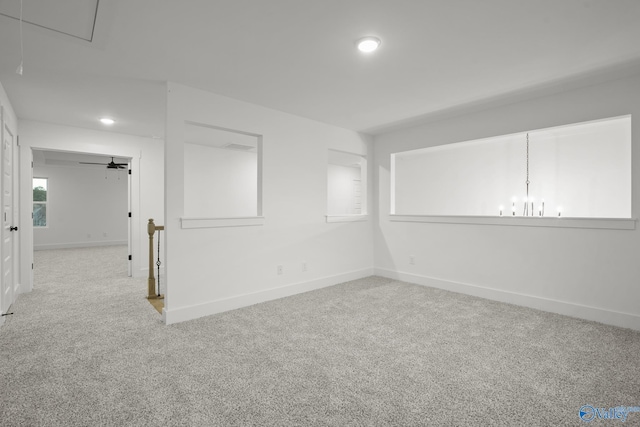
<point x="368" y="44"/>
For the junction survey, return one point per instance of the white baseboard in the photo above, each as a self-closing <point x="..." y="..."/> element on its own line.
<point x="182" y="314"/>
<point x="615" y="318"/>
<point x="46" y="246"/>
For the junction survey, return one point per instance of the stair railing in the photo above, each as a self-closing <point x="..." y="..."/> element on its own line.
<point x="151" y="229"/>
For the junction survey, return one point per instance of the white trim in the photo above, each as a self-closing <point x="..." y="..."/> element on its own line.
<point x="564" y="222"/>
<point x="187" y="223"/>
<point x="47" y="246"/>
<point x="347" y="218"/>
<point x="609" y="317"/>
<point x="182" y="314"/>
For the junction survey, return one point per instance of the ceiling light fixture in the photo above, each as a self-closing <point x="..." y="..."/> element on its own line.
<point x="368" y="44"/>
<point x="107" y="121"/>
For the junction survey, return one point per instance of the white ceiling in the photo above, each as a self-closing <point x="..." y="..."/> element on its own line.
<point x="437" y="57"/>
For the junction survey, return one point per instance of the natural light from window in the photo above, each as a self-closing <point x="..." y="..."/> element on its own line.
<point x="40" y="199"/>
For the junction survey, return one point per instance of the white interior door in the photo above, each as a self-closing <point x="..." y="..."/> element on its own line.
<point x="8" y="228"/>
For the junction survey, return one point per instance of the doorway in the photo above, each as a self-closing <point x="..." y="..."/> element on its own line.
<point x="86" y="200"/>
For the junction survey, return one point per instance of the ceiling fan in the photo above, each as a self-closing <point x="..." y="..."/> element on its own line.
<point x="110" y="165"/>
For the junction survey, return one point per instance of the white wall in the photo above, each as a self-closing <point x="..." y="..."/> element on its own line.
<point x="216" y="269"/>
<point x="219" y="182"/>
<point x="86" y="206"/>
<point x="589" y="273"/>
<point x="147" y="198"/>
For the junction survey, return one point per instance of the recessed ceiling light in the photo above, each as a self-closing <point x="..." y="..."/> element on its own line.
<point x="107" y="121"/>
<point x="368" y="44"/>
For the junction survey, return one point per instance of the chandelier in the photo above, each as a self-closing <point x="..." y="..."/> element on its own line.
<point x="528" y="207"/>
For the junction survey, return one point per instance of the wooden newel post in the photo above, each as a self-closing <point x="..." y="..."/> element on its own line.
<point x="151" y="229"/>
<point x="151" y="288"/>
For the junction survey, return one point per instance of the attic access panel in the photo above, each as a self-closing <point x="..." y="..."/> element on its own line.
<point x="75" y="18"/>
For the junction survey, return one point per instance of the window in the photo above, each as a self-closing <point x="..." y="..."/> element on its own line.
<point x="40" y="199"/>
<point x="580" y="170"/>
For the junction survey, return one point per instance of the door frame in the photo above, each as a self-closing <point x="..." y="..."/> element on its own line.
<point x="26" y="203"/>
<point x="7" y="125"/>
<point x="129" y="204"/>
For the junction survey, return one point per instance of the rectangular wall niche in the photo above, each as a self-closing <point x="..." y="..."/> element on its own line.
<point x="580" y="170"/>
<point x="221" y="172"/>
<point x="346" y="184"/>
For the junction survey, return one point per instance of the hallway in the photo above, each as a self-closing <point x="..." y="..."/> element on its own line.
<point x="70" y="344"/>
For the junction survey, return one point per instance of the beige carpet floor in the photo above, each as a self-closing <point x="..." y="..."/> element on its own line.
<point x="85" y="348"/>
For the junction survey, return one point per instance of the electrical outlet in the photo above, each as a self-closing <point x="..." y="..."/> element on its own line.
<point x="280" y="270"/>
<point x="304" y="266"/>
<point x="412" y="260"/>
